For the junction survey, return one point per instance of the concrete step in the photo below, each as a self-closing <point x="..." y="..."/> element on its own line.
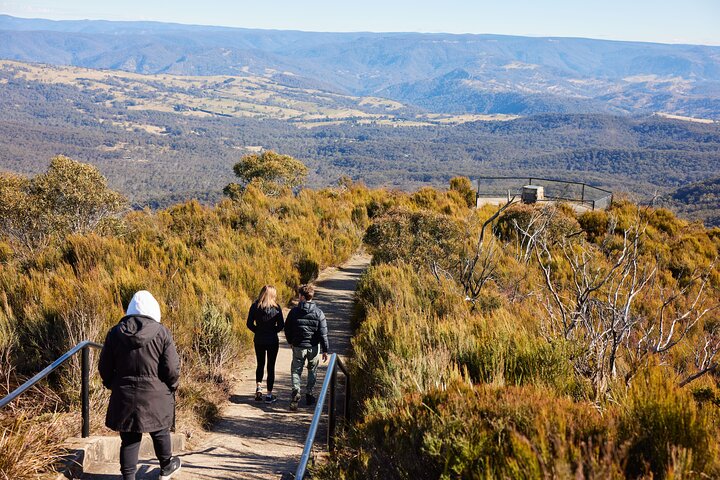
<point x="103" y="454"/>
<point x="111" y="471"/>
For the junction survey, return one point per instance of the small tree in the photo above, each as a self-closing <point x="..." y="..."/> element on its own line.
<point x="214" y="341"/>
<point x="463" y="186"/>
<point x="70" y="198"/>
<point x="270" y="171"/>
<point x="611" y="299"/>
<point x="422" y="239"/>
<point x="76" y="195"/>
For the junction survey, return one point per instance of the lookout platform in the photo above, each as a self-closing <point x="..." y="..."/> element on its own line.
<point x="581" y="196"/>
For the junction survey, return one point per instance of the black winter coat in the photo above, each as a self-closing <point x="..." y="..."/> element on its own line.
<point x="140" y="365"/>
<point x="306" y="326"/>
<point x="266" y="323"/>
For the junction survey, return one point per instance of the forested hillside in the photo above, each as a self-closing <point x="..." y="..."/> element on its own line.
<point x="441" y="72"/>
<point x="700" y="201"/>
<point x="163" y="139"/>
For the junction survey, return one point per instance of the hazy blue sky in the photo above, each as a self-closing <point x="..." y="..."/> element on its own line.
<point x="673" y="21"/>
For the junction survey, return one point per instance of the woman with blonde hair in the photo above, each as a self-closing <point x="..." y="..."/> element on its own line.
<point x="265" y="319"/>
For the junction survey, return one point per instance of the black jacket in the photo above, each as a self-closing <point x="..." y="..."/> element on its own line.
<point x="266" y="323"/>
<point x="306" y="327"/>
<point x="140" y="364"/>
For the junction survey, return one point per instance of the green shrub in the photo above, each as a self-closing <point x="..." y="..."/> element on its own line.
<point x="308" y="269"/>
<point x="461" y="431"/>
<point x="506" y="353"/>
<point x="463" y="186"/>
<point x="418" y="238"/>
<point x="214" y="341"/>
<point x="658" y="419"/>
<point x="595" y="224"/>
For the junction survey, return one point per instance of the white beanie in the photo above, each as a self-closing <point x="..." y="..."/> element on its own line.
<point x="143" y="303"/>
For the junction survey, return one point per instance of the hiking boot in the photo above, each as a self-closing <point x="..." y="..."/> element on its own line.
<point x="294" y="399"/>
<point x="170" y="469"/>
<point x="258" y="395"/>
<point x="270" y="398"/>
<point x="310" y="399"/>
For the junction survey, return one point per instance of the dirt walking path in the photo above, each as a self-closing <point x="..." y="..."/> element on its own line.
<point x="253" y="440"/>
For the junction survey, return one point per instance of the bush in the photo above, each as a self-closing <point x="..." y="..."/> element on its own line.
<point x="595" y="224"/>
<point x="214" y="341"/>
<point x="658" y="421"/>
<point x="503" y="352"/>
<point x="308" y="269"/>
<point x="417" y="238"/>
<point x="475" y="432"/>
<point x="463" y="186"/>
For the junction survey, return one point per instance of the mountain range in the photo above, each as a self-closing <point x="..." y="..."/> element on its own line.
<point x="440" y="73"/>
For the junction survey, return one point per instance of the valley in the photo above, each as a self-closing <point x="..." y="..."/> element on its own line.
<point x="164" y="138"/>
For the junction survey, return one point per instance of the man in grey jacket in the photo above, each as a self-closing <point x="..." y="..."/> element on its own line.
<point x="306" y="330"/>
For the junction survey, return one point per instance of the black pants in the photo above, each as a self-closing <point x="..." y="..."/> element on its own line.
<point x="130" y="449"/>
<point x="260" y="351"/>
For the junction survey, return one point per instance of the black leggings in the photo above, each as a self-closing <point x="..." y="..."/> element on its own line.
<point x="272" y="351"/>
<point x="130" y="449"/>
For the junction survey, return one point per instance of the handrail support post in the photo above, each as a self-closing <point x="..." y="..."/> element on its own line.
<point x="85" y="391"/>
<point x="332" y="420"/>
<point x="348" y="392"/>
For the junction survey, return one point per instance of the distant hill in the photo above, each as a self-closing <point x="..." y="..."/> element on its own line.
<point x="163" y="138"/>
<point x="280" y="97"/>
<point x="700" y="200"/>
<point x="437" y="72"/>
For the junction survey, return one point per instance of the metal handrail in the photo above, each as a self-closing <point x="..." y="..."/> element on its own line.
<point x="608" y="195"/>
<point x="328" y="384"/>
<point x="541" y="179"/>
<point x="84" y="347"/>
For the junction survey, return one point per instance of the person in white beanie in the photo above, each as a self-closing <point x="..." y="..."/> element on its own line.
<point x="140" y="365"/>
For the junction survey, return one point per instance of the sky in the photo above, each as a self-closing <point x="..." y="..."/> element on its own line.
<point x="666" y="21"/>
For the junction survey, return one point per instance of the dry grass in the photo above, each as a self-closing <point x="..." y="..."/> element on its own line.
<point x="31" y="442"/>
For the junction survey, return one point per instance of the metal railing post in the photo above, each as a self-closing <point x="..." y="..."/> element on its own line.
<point x="347" y="398"/>
<point x="85" y="392"/>
<point x="84" y="349"/>
<point x="332" y="419"/>
<point x="319" y="406"/>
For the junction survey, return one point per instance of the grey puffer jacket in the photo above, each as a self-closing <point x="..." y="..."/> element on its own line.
<point x="140" y="365"/>
<point x="306" y="327"/>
